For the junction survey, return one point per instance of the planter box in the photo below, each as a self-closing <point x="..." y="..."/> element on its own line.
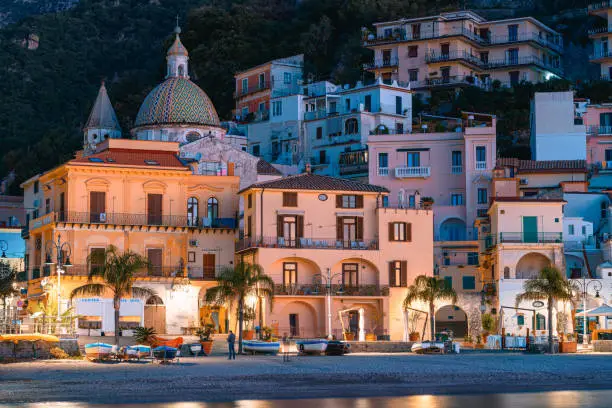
<point x="414" y="336"/>
<point x="568" y="347"/>
<point x="207" y="347"/>
<point x="370" y="337"/>
<point x="349" y="336"/>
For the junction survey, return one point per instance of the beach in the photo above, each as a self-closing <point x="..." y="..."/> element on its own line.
<point x="216" y="379"/>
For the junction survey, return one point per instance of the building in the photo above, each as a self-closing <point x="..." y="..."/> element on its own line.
<point x="309" y="230"/>
<point x="461" y="48"/>
<point x="600" y="35"/>
<point x="598" y="123"/>
<point x="556" y="134"/>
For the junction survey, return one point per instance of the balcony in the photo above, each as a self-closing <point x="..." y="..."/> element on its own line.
<point x="306" y="243"/>
<point x="599" y="130"/>
<point x="383" y="171"/>
<point x="314" y="115"/>
<point x="299" y="289"/>
<point x="204" y="273"/>
<point x="481" y="165"/>
<point x="354" y="163"/>
<point x="460" y="55"/>
<point x="457" y="169"/>
<point x="262" y="86"/>
<point x="553" y="42"/>
<point x="412" y="172"/>
<point x="598" y="55"/>
<point x="129" y="219"/>
<point x="382" y="63"/>
<point x="602" y="5"/>
<point x="600" y="30"/>
<point x="519" y="61"/>
<point x="523" y="238"/>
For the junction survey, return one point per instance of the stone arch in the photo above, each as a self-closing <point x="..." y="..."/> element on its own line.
<point x="306" y="272"/>
<point x="453" y="229"/>
<point x="530" y="265"/>
<point x="298" y="319"/>
<point x="367" y="272"/>
<point x="451" y="317"/>
<point x="181" y="70"/>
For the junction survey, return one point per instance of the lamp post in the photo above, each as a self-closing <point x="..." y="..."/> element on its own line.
<point x="328" y="278"/>
<point x="61" y="248"/>
<point x="584" y="286"/>
<point x="4" y="269"/>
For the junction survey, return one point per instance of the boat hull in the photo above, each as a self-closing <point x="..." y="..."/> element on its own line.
<point x="164" y="353"/>
<point x="98" y="351"/>
<point x="312" y="346"/>
<point x="337" y="348"/>
<point x="254" y="346"/>
<point x="427" y="347"/>
<point x="138" y="351"/>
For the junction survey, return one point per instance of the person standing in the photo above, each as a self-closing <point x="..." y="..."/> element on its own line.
<point x="231" y="340"/>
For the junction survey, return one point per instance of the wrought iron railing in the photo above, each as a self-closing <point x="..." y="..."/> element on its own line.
<point x="381" y="63"/>
<point x="300" y="289"/>
<point x="145" y="219"/>
<point x="523" y="238"/>
<point x="306" y="243"/>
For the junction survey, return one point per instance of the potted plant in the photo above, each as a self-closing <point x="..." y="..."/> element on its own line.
<point x="266" y="333"/>
<point x="488" y="326"/>
<point x="370" y="336"/>
<point x="479" y="344"/>
<point x="204" y="333"/>
<point x="249" y="317"/>
<point x="569" y="344"/>
<point x="412" y="321"/>
<point x="427" y="202"/>
<point x="349" y="335"/>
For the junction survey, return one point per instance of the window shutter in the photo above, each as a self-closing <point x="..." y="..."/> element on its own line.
<point x="279" y="226"/>
<point x="339" y="230"/>
<point x="392" y="274"/>
<point x="339" y="201"/>
<point x="404" y="274"/>
<point x="391" y="232"/>
<point x="359" y="201"/>
<point x="300" y="226"/>
<point x="408" y="231"/>
<point x="359" y="227"/>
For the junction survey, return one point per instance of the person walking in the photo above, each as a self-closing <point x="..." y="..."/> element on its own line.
<point x="231" y="340"/>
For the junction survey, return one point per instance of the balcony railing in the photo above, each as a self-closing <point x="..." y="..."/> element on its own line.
<point x="262" y="86"/>
<point x="145" y="219"/>
<point x="601" y="54"/>
<point x="383" y="171"/>
<point x="601" y="30"/>
<point x="517" y="61"/>
<point x="382" y="63"/>
<point x="523" y="238"/>
<point x="203" y="273"/>
<point x="457" y="169"/>
<point x="599" y="130"/>
<point x="306" y="243"/>
<point x="412" y="172"/>
<point x="481" y="165"/>
<point x="600" y="5"/>
<point x="299" y="289"/>
<point x="435" y="56"/>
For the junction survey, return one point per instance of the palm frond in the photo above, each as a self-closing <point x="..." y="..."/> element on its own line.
<point x="89" y="289"/>
<point x="143" y="293"/>
<point x="549" y="284"/>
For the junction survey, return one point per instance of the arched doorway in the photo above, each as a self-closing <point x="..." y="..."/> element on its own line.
<point x="540" y="322"/>
<point x="453" y="229"/>
<point x="297" y="319"/>
<point x="452" y="318"/>
<point x="530" y="265"/>
<point x="155" y="314"/>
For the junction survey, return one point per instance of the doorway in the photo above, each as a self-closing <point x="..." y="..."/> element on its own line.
<point x="155" y="314"/>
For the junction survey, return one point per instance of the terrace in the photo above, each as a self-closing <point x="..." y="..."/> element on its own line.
<point x="306" y="243"/>
<point x="319" y="289"/>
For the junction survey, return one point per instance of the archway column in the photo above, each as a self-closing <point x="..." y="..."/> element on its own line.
<point x="361" y="324"/>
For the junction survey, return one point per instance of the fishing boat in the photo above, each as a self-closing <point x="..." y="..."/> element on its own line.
<point x="313" y="346"/>
<point x="138" y="351"/>
<point x="256" y="346"/>
<point x="337" y="348"/>
<point x="165" y="353"/>
<point x="428" y="347"/>
<point x="195" y="348"/>
<point x="98" y="351"/>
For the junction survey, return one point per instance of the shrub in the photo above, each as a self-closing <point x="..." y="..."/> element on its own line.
<point x="488" y="323"/>
<point x="144" y="335"/>
<point x="58" y="353"/>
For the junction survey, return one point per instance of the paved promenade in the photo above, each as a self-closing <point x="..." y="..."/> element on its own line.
<point x="267" y="377"/>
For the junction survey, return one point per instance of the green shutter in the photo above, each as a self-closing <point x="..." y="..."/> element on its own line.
<point x="448" y="281"/>
<point x="469" y="282"/>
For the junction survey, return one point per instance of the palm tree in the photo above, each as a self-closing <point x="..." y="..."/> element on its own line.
<point x="551" y="286"/>
<point x="7" y="289"/>
<point x="429" y="289"/>
<point x="117" y="273"/>
<point x="236" y="284"/>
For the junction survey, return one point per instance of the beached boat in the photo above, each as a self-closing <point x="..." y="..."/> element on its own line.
<point x="337" y="348"/>
<point x="98" y="351"/>
<point x="138" y="351"/>
<point x="313" y="346"/>
<point x="428" y="347"/>
<point x="195" y="348"/>
<point x="256" y="346"/>
<point x="165" y="353"/>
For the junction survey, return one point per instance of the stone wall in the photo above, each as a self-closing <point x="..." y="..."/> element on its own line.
<point x="602" y="346"/>
<point x="25" y="350"/>
<point x="380" y="346"/>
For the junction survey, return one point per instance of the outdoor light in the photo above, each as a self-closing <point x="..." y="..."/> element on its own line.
<point x="67" y="264"/>
<point x="48" y="260"/>
<point x="596" y="293"/>
<point x="3" y="255"/>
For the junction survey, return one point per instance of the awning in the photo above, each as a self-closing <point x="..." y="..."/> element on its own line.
<point x="603" y="310"/>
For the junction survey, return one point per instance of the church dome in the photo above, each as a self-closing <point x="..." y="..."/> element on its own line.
<point x="177" y="101"/>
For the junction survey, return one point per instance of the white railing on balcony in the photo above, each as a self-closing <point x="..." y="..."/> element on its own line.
<point x="456" y="169"/>
<point x="481" y="165"/>
<point x="406" y="172"/>
<point x="383" y="171"/>
<point x="607" y="165"/>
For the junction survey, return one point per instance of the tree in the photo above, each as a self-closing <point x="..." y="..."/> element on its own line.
<point x="551" y="286"/>
<point x="117" y="274"/>
<point x="235" y="284"/>
<point x="7" y="288"/>
<point x="428" y="289"/>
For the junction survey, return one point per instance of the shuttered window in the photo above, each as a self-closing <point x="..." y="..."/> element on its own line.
<point x="96" y="260"/>
<point x="154" y="209"/>
<point x="154" y="255"/>
<point x="350" y="274"/>
<point x="349" y="201"/>
<point x="400" y="231"/>
<point x="290" y="199"/>
<point x="398" y="274"/>
<point x="349" y="229"/>
<point x="97" y="206"/>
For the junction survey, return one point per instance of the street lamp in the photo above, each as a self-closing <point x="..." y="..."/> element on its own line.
<point x="61" y="248"/>
<point x="584" y="286"/>
<point x="328" y="278"/>
<point x="3" y="248"/>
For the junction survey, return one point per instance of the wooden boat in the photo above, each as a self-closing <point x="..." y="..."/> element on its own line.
<point x="195" y="348"/>
<point x="428" y="347"/>
<point x="313" y="346"/>
<point x="337" y="348"/>
<point x="165" y="353"/>
<point x="256" y="346"/>
<point x="98" y="351"/>
<point x="138" y="351"/>
<point x="160" y="341"/>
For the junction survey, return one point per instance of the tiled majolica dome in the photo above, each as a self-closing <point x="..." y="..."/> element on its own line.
<point x="177" y="101"/>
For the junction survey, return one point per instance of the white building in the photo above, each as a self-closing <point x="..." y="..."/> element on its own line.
<point x="554" y="132"/>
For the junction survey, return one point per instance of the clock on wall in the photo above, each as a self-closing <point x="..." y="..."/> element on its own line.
<point x="323" y="197"/>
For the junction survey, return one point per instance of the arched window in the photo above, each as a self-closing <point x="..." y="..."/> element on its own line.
<point x="155" y="300"/>
<point x="192" y="137"/>
<point x="540" y="322"/>
<point x="351" y="126"/>
<point x="213" y="210"/>
<point x="192" y="211"/>
<point x="95" y="136"/>
<point x="181" y="71"/>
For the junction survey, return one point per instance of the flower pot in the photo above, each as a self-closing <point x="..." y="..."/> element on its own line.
<point x="568" y="346"/>
<point x="370" y="337"/>
<point x="207" y="346"/>
<point x="248" y="334"/>
<point x="414" y="336"/>
<point x="349" y="336"/>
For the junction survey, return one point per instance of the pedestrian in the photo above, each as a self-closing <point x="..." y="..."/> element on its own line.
<point x="231" y="340"/>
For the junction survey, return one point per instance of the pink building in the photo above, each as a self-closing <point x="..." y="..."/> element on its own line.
<point x="598" y="121"/>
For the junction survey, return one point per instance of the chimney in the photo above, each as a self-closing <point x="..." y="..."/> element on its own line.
<point x="307" y="169"/>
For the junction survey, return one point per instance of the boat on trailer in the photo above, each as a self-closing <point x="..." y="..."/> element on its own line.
<point x="256" y="346"/>
<point x="312" y="346"/>
<point x="98" y="351"/>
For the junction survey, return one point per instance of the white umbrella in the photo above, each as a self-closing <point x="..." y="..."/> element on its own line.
<point x="603" y="310"/>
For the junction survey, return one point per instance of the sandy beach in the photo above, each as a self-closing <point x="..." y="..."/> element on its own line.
<point x="268" y="377"/>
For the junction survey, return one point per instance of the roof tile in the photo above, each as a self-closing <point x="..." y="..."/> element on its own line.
<point x="132" y="158"/>
<point x="527" y="166"/>
<point x="308" y="181"/>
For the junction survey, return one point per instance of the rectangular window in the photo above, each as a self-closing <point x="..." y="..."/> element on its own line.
<point x="97" y="206"/>
<point x="456" y="162"/>
<point x="256" y="150"/>
<point x="448" y="282"/>
<point x="400" y="231"/>
<point x="481" y="158"/>
<point x="472" y="258"/>
<point x="520" y="320"/>
<point x="96" y="259"/>
<point x="319" y="132"/>
<point x="155" y="256"/>
<point x="411" y="201"/>
<point x="290" y="199"/>
<point x="154" y="209"/>
<point x="514" y="77"/>
<point x="368" y="103"/>
<point x="209" y="266"/>
<point x="484" y="57"/>
<point x="47" y="206"/>
<point x="570" y="229"/>
<point x="289" y="273"/>
<point x="584" y="230"/>
<point x="397" y="273"/>
<point x="413" y="159"/>
<point x="608" y="154"/>
<point x="277" y="108"/>
<point x="413" y="51"/>
<point x="262" y="106"/>
<point x="482" y="196"/>
<point x="350" y="275"/>
<point x="322" y="157"/>
<point x="333" y="107"/>
<point x="383" y="160"/>
<point x="36" y="187"/>
<point x="262" y="81"/>
<point x="250" y="201"/>
<point x="399" y="128"/>
<point x="413" y="75"/>
<point x="349" y="201"/>
<point x="513" y="32"/>
<point x="347" y="105"/>
<point x="249" y="226"/>
<point x="398" y="105"/>
<point x="512" y="56"/>
<point x="289" y="229"/>
<point x="469" y="282"/>
<point x="456" y="199"/>
<point x="245" y="85"/>
<point x="287" y="78"/>
<point x="349" y="230"/>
